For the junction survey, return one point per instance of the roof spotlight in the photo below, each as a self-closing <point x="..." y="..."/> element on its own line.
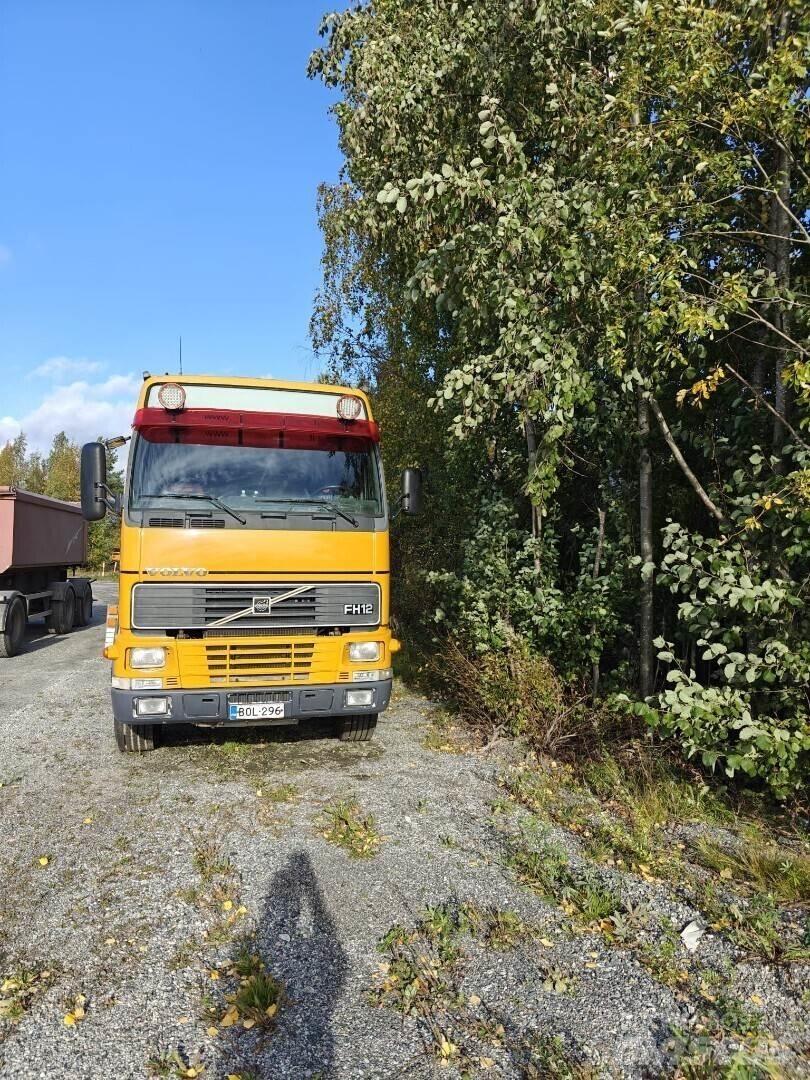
<point x="172" y="396"/>
<point x="349" y="407"/>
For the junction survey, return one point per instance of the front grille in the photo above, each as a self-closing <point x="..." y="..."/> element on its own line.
<point x="284" y="661"/>
<point x="191" y="606"/>
<point x="252" y="697"/>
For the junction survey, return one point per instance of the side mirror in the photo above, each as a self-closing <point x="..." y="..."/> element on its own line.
<point x="412" y="491"/>
<point x="94" y="481"/>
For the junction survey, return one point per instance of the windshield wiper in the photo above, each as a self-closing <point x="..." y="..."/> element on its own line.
<point x="315" y="502"/>
<point x="214" y="499"/>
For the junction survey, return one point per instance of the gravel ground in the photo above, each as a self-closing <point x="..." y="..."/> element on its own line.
<point x="158" y="865"/>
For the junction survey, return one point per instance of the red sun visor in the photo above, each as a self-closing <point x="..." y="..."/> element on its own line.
<point x="224" y="427"/>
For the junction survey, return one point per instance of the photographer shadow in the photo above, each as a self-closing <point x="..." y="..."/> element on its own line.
<point x="298" y="942"/>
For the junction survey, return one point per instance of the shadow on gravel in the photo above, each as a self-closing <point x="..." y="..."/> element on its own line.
<point x="37" y="635"/>
<point x="297" y="939"/>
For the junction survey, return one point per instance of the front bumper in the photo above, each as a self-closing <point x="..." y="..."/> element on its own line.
<point x="211" y="706"/>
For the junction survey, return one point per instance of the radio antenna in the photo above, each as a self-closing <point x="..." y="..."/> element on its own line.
<point x="181" y="354"/>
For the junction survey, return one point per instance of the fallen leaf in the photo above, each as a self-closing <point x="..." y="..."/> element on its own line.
<point x="110" y="941"/>
<point x="213" y="974"/>
<point x="182" y="1019"/>
<point x="44" y="860"/>
<point x="271" y="1010"/>
<point x="241" y="910"/>
<point x="547" y="942"/>
<point x="230" y="1017"/>
<point x="87" y="821"/>
<point x="248" y="1024"/>
<point x="227" y="905"/>
<point x="212" y="1031"/>
<point x="69" y="1020"/>
<point x="486" y="1063"/>
<point x="757" y="1000"/>
<point x="474" y="999"/>
<point x="726" y="873"/>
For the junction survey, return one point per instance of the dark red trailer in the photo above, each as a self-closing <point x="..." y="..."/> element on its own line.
<point x="43" y="542"/>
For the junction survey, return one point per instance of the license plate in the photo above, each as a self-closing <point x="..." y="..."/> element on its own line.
<point x="260" y="710"/>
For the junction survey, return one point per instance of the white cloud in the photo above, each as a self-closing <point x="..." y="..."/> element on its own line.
<point x="9" y="429"/>
<point x="83" y="410"/>
<point x="61" y="367"/>
<point x="5" y="255"/>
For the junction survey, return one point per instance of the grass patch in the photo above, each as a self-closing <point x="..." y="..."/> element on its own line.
<point x="549" y="1060"/>
<point x="259" y="998"/>
<point x="210" y="862"/>
<point x="280" y="794"/>
<point x="344" y="823"/>
<point x="19" y="989"/>
<point x="446" y="736"/>
<point x="761" y="865"/>
<point x="580" y="893"/>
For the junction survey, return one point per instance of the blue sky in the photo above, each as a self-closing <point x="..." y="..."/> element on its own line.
<point x="158" y="171"/>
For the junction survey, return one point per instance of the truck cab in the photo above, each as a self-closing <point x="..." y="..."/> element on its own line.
<point x="254" y="558"/>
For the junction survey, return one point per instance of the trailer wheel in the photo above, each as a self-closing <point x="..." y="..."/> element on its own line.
<point x="358" y="728"/>
<point x="63" y="613"/>
<point x="135" y="738"/>
<point x="11" y="638"/>
<point x="84" y="608"/>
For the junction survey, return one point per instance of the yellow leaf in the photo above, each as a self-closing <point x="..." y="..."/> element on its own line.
<point x="248" y="1024"/>
<point x="44" y="860"/>
<point x="212" y="1031"/>
<point x="486" y="1063"/>
<point x="757" y="1000"/>
<point x="182" y="1019"/>
<point x="547" y="942"/>
<point x="227" y="905"/>
<point x="110" y="941"/>
<point x="214" y="974"/>
<point x="474" y="999"/>
<point x="230" y="1017"/>
<point x="271" y="1010"/>
<point x="69" y="1020"/>
<point x="241" y="910"/>
<point x="726" y="873"/>
<point x="259" y="792"/>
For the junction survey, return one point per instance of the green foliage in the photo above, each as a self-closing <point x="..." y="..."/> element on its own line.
<point x="550" y="213"/>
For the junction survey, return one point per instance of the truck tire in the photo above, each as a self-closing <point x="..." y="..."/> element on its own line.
<point x="84" y="608"/>
<point x="135" y="738"/>
<point x="63" y="613"/>
<point x="358" y="728"/>
<point x="11" y="637"/>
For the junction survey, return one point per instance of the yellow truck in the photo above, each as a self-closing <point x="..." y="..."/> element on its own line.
<point x="254" y="580"/>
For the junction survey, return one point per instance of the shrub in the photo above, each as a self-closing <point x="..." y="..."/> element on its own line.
<point x="513" y="691"/>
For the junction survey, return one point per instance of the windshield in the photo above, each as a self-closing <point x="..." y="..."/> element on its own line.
<point x="257" y="478"/>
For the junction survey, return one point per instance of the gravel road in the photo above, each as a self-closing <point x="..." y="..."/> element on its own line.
<point x="159" y="867"/>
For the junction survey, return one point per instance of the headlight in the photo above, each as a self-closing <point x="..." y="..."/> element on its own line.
<point x="147" y="658"/>
<point x="364" y="651"/>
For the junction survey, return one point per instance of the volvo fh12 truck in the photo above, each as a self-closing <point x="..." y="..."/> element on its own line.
<point x="254" y="558"/>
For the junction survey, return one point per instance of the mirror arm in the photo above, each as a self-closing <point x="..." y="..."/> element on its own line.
<point x="109" y="499"/>
<point x="398" y="506"/>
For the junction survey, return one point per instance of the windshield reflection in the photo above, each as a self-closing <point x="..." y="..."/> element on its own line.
<point x="250" y="477"/>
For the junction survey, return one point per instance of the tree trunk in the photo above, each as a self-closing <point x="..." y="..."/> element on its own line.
<point x="645" y="501"/>
<point x="781" y="230"/>
<point x="537" y="513"/>
<point x="597" y="561"/>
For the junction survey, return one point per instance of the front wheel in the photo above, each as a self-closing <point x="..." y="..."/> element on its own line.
<point x="135" y="738"/>
<point x="11" y="637"/>
<point x="358" y="728"/>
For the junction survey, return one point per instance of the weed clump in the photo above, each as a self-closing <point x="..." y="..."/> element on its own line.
<point x="344" y="823"/>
